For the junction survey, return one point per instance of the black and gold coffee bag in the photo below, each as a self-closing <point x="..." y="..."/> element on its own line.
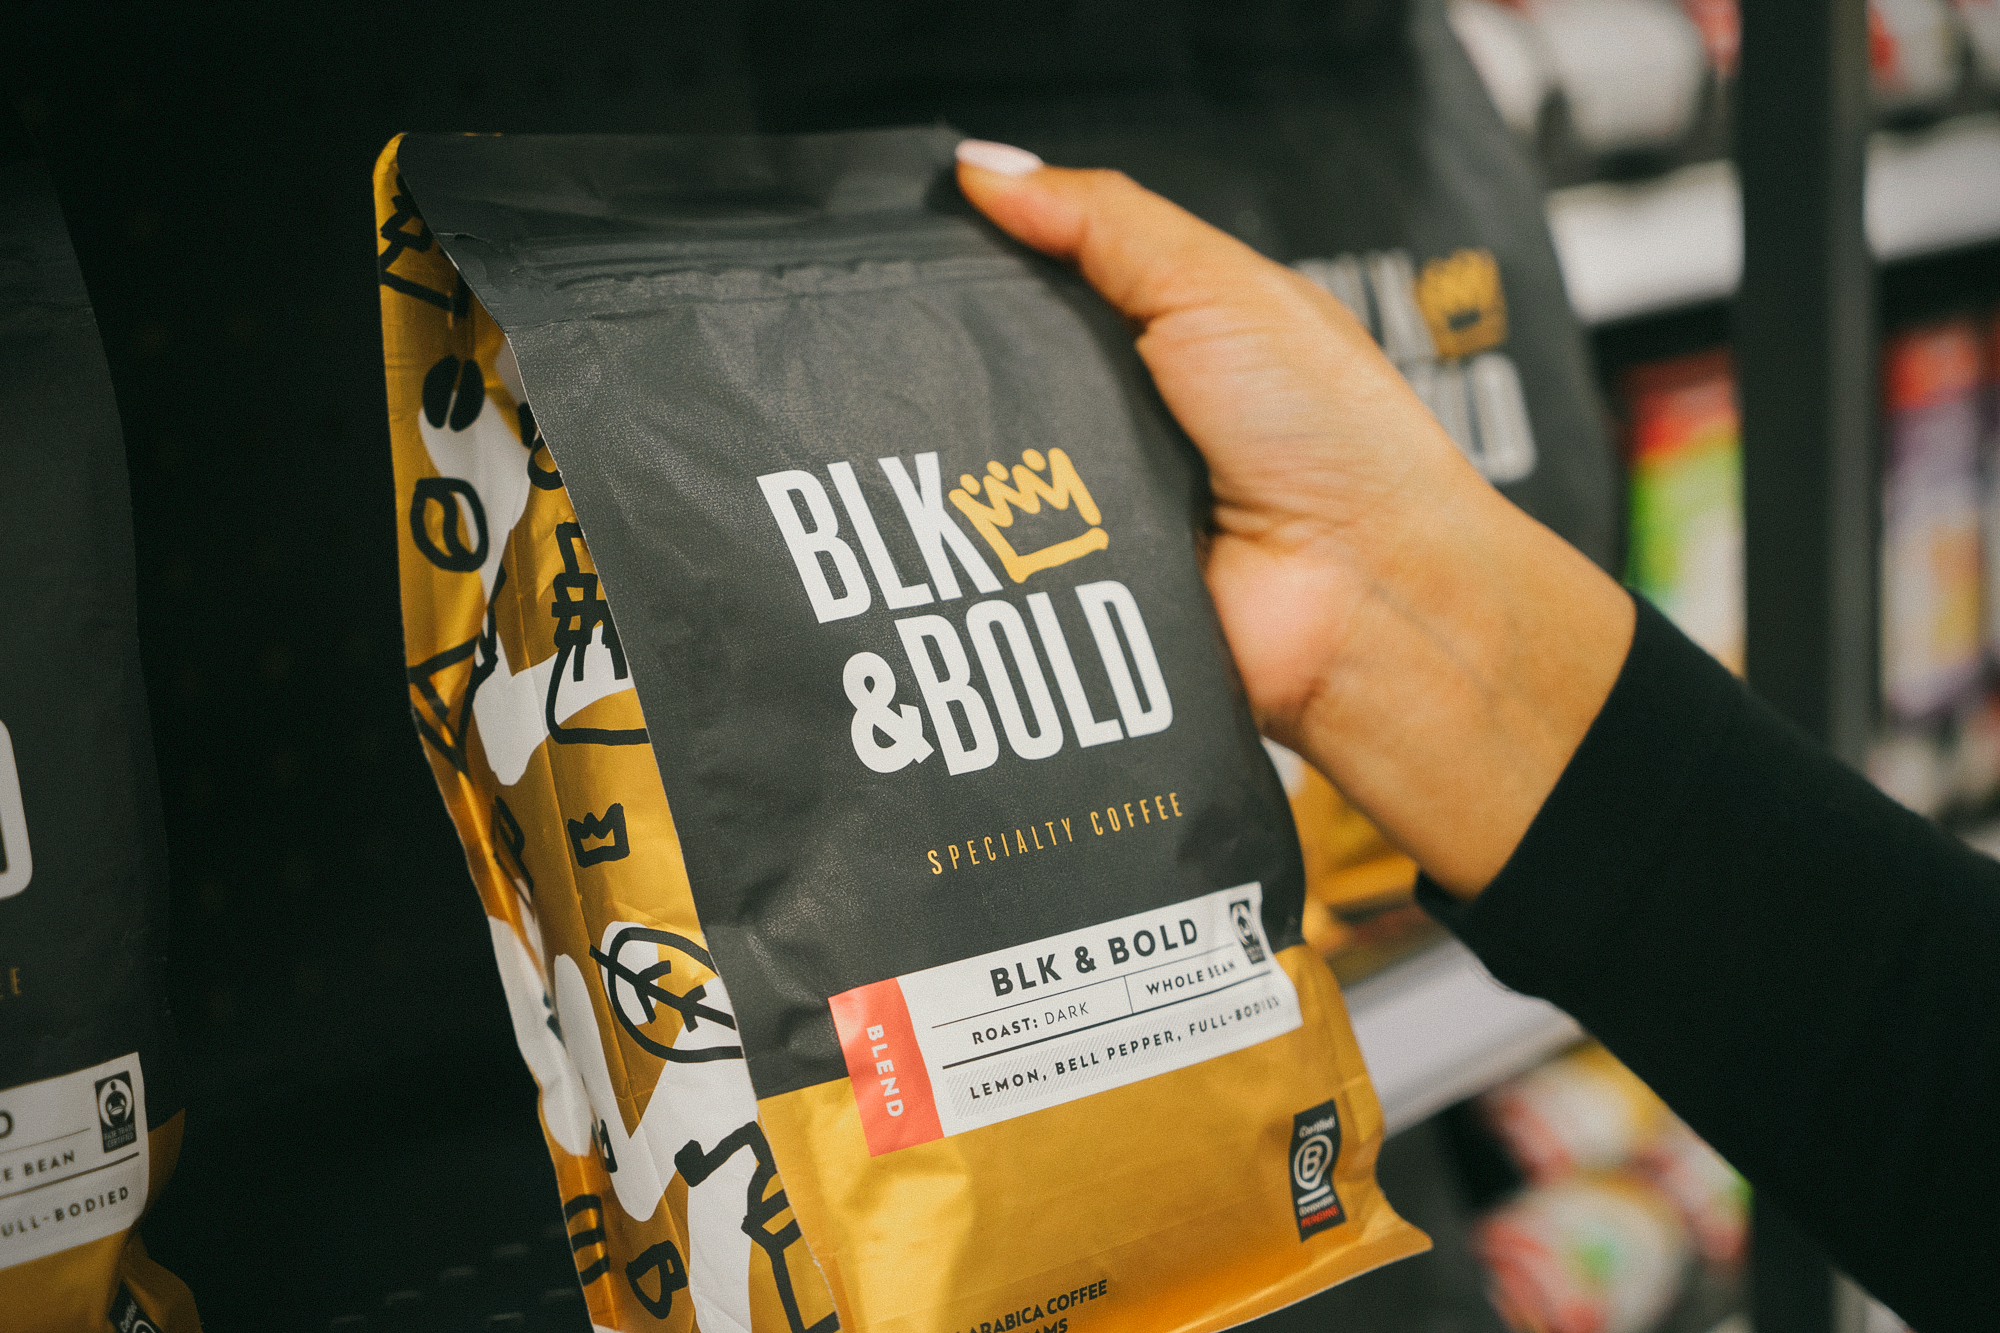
<point x="90" y="1088"/>
<point x="898" y="910"/>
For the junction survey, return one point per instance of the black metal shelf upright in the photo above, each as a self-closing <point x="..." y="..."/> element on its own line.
<point x="1805" y="335"/>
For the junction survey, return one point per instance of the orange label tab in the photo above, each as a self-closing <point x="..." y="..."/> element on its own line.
<point x="892" y="1089"/>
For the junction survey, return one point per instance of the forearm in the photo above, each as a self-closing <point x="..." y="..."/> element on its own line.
<point x="1802" y="968"/>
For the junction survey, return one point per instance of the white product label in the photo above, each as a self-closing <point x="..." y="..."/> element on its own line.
<point x="972" y="1043"/>
<point x="73" y="1159"/>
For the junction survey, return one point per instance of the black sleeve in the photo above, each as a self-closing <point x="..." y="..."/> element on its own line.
<point x="1807" y="972"/>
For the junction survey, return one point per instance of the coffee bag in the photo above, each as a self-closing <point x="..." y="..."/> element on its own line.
<point x="90" y="1083"/>
<point x="899" y="910"/>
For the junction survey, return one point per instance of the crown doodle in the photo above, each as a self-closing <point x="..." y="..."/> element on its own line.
<point x="1462" y="302"/>
<point x="1026" y="493"/>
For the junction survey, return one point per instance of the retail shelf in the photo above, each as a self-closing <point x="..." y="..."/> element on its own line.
<point x="1637" y="248"/>
<point x="1630" y="249"/>
<point x="1438" y="1028"/>
<point x="1934" y="190"/>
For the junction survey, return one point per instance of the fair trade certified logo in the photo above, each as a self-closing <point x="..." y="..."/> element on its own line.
<point x="1315" y="1149"/>
<point x="115" y="1106"/>
<point x="1243" y="915"/>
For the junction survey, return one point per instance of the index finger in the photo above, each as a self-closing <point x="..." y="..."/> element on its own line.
<point x="1145" y="255"/>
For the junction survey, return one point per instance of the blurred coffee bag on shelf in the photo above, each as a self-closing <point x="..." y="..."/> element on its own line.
<point x="1354" y="875"/>
<point x="92" y="1086"/>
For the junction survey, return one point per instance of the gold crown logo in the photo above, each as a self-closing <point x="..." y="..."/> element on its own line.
<point x="1462" y="302"/>
<point x="1025" y="489"/>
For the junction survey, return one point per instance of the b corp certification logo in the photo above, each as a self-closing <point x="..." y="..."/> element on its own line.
<point x="1315" y="1149"/>
<point x="1309" y="1163"/>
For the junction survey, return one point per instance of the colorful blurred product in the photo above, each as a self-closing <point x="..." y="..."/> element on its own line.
<point x="1989" y="478"/>
<point x="1930" y="521"/>
<point x="1686" y="539"/>
<point x="1583" y="1111"/>
<point x="1713" y="1200"/>
<point x="1593" y="1254"/>
<point x="1913" y="48"/>
<point x="1720" y="23"/>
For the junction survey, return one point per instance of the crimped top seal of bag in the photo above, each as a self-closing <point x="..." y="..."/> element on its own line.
<point x="549" y="227"/>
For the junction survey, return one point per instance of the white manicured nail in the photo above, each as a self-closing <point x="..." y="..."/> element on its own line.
<point x="1003" y="158"/>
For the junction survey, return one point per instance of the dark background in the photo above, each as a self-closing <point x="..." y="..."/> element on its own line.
<point x="358" y="1116"/>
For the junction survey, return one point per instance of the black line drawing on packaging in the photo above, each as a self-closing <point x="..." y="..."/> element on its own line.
<point x="398" y="240"/>
<point x="513" y="840"/>
<point x="447" y="726"/>
<point x="610" y="827"/>
<point x="579" y="612"/>
<point x="590" y="1238"/>
<point x="664" y="1259"/>
<point x="543" y="479"/>
<point x="642" y="985"/>
<point x="458" y="504"/>
<point x="759" y="1211"/>
<point x="454" y="393"/>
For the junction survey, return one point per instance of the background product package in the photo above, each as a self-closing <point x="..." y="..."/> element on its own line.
<point x="1989" y="484"/>
<point x="1686" y="543"/>
<point x="1930" y="519"/>
<point x="90" y="1099"/>
<point x="915" y="724"/>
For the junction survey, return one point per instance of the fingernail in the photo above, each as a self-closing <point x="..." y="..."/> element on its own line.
<point x="1003" y="158"/>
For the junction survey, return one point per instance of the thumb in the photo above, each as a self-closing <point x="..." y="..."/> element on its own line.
<point x="1146" y="256"/>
